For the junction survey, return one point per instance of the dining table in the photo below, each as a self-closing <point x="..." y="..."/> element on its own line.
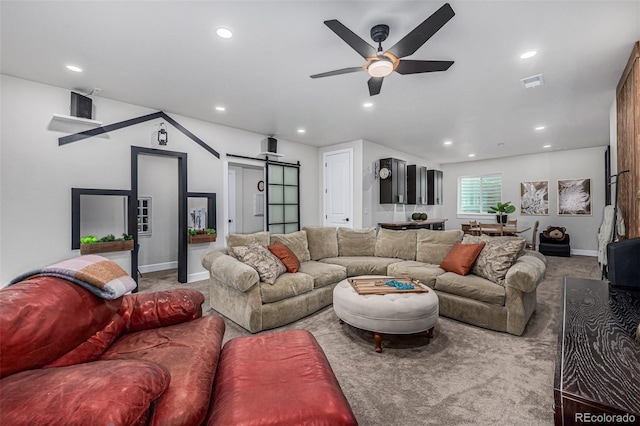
<point x="506" y="230"/>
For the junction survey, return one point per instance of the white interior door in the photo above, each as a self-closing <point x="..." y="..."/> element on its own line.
<point x="338" y="188"/>
<point x="231" y="205"/>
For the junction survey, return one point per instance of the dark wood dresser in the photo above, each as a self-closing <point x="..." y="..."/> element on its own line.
<point x="598" y="360"/>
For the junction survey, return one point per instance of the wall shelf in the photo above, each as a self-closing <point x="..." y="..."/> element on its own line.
<point x="77" y="120"/>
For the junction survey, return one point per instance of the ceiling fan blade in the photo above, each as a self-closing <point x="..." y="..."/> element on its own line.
<point x="359" y="45"/>
<point x="414" y="67"/>
<point x="338" y="72"/>
<point x="375" y="84"/>
<point x="423" y="32"/>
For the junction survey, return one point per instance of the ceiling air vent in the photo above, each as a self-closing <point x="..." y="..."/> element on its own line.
<point x="533" y="81"/>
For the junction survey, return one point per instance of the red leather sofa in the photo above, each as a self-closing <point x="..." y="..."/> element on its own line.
<point x="69" y="357"/>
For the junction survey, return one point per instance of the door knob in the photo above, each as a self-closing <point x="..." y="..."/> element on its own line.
<point x="346" y="220"/>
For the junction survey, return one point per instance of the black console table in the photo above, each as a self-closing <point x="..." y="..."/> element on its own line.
<point x="434" y="224"/>
<point x="598" y="360"/>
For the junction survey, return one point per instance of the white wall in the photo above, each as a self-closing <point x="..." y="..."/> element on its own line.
<point x="246" y="187"/>
<point x="37" y="174"/>
<point x="551" y="166"/>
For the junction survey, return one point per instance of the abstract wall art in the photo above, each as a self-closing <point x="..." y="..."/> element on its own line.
<point x="574" y="197"/>
<point x="534" y="198"/>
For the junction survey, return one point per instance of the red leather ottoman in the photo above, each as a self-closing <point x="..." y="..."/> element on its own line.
<point x="280" y="378"/>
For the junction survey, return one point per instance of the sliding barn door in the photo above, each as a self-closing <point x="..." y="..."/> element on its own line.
<point x="628" y="141"/>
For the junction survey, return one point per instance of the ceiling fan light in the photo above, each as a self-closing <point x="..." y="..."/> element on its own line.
<point x="380" y="68"/>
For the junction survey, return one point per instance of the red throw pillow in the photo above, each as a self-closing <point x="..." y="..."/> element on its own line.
<point x="461" y="258"/>
<point x="286" y="256"/>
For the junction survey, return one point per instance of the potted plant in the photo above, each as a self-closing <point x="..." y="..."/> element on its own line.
<point x="197" y="236"/>
<point x="502" y="210"/>
<point x="90" y="244"/>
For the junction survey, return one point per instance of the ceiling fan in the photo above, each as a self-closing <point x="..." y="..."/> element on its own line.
<point x="379" y="63"/>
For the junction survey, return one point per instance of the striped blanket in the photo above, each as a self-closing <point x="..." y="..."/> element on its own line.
<point x="97" y="274"/>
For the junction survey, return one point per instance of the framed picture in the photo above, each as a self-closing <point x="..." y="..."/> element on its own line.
<point x="534" y="198"/>
<point x="574" y="197"/>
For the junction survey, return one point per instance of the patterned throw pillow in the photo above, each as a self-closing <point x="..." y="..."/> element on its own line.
<point x="496" y="258"/>
<point x="262" y="260"/>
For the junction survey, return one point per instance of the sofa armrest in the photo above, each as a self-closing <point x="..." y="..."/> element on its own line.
<point x="142" y="311"/>
<point x="231" y="271"/>
<point x="102" y="392"/>
<point x="526" y="273"/>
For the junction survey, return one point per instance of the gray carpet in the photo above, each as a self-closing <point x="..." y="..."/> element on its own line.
<point x="464" y="376"/>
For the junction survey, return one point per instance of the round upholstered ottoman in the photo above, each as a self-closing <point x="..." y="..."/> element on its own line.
<point x="396" y="313"/>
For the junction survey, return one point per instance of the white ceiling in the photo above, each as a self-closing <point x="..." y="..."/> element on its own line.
<point x="165" y="55"/>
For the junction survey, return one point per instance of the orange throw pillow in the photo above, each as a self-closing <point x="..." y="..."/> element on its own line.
<point x="461" y="258"/>
<point x="286" y="256"/>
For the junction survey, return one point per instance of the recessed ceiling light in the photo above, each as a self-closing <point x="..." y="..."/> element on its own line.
<point x="224" y="32"/>
<point x="501" y="145"/>
<point x="529" y="54"/>
<point x="540" y="128"/>
<point x="301" y="130"/>
<point x="472" y="155"/>
<point x="367" y="104"/>
<point x="447" y="142"/>
<point x="546" y="146"/>
<point x="220" y="108"/>
<point x="74" y="68"/>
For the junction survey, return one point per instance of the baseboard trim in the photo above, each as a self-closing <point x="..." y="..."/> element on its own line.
<point x="578" y="252"/>
<point x="198" y="276"/>
<point x="157" y="267"/>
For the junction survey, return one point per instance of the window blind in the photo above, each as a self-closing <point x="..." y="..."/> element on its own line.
<point x="477" y="193"/>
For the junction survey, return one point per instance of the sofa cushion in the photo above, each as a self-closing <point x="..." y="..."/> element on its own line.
<point x="471" y="287"/>
<point x="424" y="272"/>
<point x="461" y="258"/>
<point x="297" y="243"/>
<point x="101" y="392"/>
<point x="190" y="352"/>
<point x="496" y="258"/>
<point x="262" y="260"/>
<point x="433" y="246"/>
<point x="323" y="242"/>
<point x="363" y="265"/>
<point x="235" y="240"/>
<point x="323" y="273"/>
<point x="356" y="242"/>
<point x="399" y="244"/>
<point x="286" y="256"/>
<point x="287" y="285"/>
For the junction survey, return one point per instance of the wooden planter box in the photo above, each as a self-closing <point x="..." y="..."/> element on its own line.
<point x="95" y="248"/>
<point x="202" y="238"/>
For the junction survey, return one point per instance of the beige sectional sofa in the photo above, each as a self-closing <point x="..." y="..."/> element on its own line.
<point x="329" y="255"/>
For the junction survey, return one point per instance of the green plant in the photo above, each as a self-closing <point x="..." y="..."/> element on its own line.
<point x="192" y="231"/>
<point x="127" y="237"/>
<point x="210" y="231"/>
<point x="108" y="238"/>
<point x="502" y="208"/>
<point x="88" y="239"/>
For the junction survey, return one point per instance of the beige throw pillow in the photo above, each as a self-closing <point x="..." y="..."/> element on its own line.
<point x="397" y="244"/>
<point x="297" y="243"/>
<point x="323" y="242"/>
<point x="356" y="242"/>
<point x="432" y="246"/>
<point x="262" y="260"/>
<point x="235" y="240"/>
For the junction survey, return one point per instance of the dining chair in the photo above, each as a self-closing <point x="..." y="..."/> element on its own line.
<point x="512" y="223"/>
<point x="474" y="227"/>
<point x="532" y="245"/>
<point x="491" y="228"/>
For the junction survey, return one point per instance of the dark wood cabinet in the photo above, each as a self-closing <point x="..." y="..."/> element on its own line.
<point x="416" y="184"/>
<point x="434" y="187"/>
<point x="597" y="367"/>
<point x="393" y="188"/>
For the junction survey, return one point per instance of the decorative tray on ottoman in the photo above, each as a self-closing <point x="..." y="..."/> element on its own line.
<point x="377" y="285"/>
